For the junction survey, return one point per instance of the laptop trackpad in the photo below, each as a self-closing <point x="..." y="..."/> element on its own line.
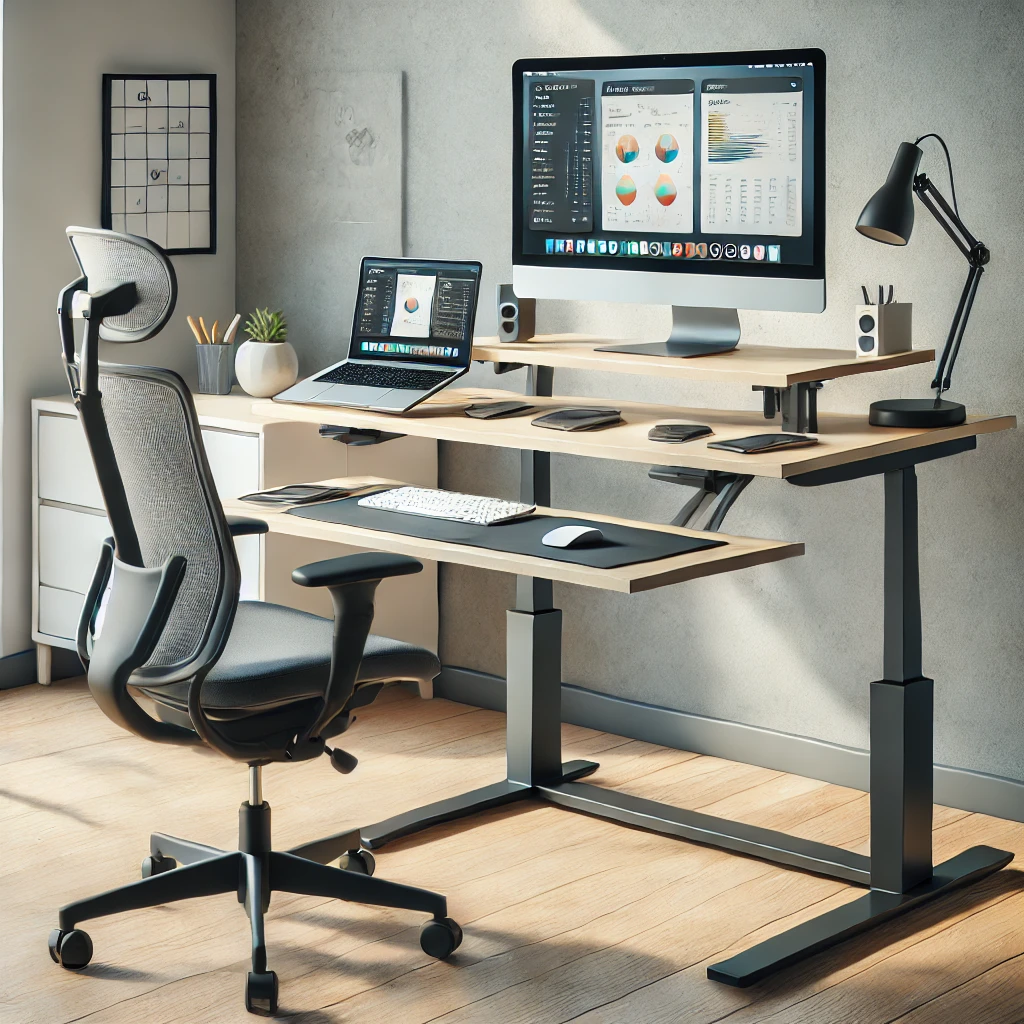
<point x="351" y="394"/>
<point x="399" y="399"/>
<point x="305" y="391"/>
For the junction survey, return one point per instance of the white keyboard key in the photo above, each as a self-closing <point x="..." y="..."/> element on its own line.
<point x="450" y="505"/>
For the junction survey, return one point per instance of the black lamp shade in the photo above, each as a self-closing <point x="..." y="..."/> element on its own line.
<point x="889" y="214"/>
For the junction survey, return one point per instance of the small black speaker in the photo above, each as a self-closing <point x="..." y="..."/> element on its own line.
<point x="517" y="318"/>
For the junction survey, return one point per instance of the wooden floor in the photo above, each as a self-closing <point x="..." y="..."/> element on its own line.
<point x="566" y="917"/>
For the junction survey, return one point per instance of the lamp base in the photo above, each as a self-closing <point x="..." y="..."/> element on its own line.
<point x="916" y="413"/>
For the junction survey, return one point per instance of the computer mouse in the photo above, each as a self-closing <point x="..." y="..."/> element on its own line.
<point x="572" y="537"/>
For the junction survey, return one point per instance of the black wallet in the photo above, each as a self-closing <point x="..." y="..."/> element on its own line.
<point x="578" y="419"/>
<point x="678" y="432"/>
<point x="296" y="494"/>
<point x="497" y="410"/>
<point x="764" y="443"/>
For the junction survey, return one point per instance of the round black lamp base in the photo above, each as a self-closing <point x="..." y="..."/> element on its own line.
<point x="916" y="413"/>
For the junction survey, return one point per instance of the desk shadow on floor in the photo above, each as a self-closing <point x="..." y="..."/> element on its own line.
<point x="38" y="804"/>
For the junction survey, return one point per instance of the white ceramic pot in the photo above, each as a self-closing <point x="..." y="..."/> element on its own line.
<point x="264" y="368"/>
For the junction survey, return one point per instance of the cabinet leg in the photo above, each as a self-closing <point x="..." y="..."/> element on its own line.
<point x="44" y="664"/>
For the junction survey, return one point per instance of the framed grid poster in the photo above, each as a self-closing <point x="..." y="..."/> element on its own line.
<point x="160" y="159"/>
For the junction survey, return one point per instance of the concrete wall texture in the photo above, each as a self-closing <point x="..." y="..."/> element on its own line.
<point x="790" y="646"/>
<point x="55" y="54"/>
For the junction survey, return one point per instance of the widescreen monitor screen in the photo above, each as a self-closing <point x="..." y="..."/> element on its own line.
<point x="709" y="163"/>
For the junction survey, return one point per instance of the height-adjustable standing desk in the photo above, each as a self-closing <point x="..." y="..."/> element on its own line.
<point x="899" y="873"/>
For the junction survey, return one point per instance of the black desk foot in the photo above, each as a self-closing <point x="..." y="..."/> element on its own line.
<point x="874" y="908"/>
<point x="767" y="844"/>
<point x="375" y="836"/>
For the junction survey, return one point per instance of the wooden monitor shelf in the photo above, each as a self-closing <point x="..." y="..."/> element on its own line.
<point x="766" y="365"/>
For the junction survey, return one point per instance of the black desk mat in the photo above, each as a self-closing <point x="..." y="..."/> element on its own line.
<point x="622" y="545"/>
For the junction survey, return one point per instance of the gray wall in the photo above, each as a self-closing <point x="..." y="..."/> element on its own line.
<point x="790" y="646"/>
<point x="54" y="55"/>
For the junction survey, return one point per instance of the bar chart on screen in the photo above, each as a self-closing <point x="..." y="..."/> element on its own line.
<point x="751" y="156"/>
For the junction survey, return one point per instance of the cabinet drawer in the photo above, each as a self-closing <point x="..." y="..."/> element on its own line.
<point x="65" y="466"/>
<point x="69" y="547"/>
<point x="59" y="611"/>
<point x="234" y="461"/>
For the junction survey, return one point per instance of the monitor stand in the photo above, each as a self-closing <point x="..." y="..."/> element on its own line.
<point x="696" y="331"/>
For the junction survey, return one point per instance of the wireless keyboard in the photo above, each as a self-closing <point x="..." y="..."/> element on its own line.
<point x="376" y="376"/>
<point x="460" y="508"/>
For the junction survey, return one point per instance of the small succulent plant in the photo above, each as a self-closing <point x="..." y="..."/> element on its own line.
<point x="265" y="326"/>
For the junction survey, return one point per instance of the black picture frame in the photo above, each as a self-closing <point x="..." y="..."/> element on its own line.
<point x="106" y="211"/>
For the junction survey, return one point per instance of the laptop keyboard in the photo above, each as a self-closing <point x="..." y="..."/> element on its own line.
<point x="374" y="376"/>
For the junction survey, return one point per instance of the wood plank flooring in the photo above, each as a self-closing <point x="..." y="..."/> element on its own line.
<point x="567" y="918"/>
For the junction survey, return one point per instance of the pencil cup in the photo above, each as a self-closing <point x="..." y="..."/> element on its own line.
<point x="215" y="365"/>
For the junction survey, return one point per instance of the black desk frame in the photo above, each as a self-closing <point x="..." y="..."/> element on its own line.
<point x="899" y="873"/>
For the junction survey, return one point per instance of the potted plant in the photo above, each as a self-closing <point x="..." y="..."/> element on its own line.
<point x="266" y="363"/>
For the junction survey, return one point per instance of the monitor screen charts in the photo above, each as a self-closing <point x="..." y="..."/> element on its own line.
<point x="669" y="168"/>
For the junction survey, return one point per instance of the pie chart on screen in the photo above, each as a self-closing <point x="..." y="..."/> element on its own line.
<point x="666" y="149"/>
<point x="625" y="190"/>
<point x="665" y="190"/>
<point x="627" y="149"/>
<point x="411" y="304"/>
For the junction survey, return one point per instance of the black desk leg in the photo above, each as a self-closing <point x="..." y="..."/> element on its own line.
<point x="533" y="723"/>
<point x="535" y="467"/>
<point x="533" y="690"/>
<point x="901" y="775"/>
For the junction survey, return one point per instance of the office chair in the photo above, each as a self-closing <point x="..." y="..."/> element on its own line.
<point x="162" y="627"/>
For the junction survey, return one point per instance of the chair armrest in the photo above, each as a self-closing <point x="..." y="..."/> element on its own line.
<point x="362" y="568"/>
<point x="243" y="526"/>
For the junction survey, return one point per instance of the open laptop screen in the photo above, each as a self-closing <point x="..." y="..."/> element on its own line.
<point x="415" y="311"/>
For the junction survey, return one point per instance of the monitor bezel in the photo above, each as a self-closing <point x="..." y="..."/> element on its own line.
<point x="813" y="271"/>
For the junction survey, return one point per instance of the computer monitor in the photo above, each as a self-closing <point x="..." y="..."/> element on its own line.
<point x="691" y="180"/>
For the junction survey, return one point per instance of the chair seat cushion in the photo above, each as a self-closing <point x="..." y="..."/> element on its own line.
<point x="276" y="655"/>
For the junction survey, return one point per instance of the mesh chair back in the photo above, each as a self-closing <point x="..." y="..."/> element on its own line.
<point x="173" y="503"/>
<point x="145" y="441"/>
<point x="108" y="258"/>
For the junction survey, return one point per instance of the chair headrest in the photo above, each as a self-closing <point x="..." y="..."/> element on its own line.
<point x="110" y="258"/>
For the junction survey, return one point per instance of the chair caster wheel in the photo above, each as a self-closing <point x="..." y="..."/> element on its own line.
<point x="261" y="993"/>
<point x="157" y="866"/>
<point x="72" y="950"/>
<point x="440" y="938"/>
<point x="359" y="861"/>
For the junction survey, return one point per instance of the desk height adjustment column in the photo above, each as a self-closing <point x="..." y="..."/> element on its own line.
<point x="901" y="869"/>
<point x="534" y="645"/>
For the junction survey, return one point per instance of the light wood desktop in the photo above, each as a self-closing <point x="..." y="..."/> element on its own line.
<point x="843" y="437"/>
<point x="737" y="553"/>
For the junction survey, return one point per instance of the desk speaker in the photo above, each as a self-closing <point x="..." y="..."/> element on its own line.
<point x="517" y="318"/>
<point x="883" y="330"/>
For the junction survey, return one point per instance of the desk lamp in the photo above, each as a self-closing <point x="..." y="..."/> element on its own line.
<point x="889" y="217"/>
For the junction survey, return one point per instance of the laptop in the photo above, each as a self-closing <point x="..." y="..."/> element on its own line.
<point x="412" y="336"/>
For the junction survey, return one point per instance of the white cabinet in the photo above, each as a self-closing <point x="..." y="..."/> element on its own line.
<point x="246" y="453"/>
